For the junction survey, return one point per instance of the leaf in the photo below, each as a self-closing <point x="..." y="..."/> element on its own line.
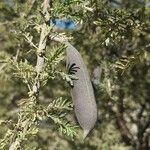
<point x="125" y="62"/>
<point x="64" y="126"/>
<point x="60" y="105"/>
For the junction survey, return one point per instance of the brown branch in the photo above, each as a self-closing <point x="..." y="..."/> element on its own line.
<point x="141" y="134"/>
<point x="125" y="132"/>
<point x="141" y="111"/>
<point x="121" y="122"/>
<point x="146" y="139"/>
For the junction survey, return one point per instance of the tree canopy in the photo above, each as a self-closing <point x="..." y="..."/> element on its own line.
<point x="36" y="108"/>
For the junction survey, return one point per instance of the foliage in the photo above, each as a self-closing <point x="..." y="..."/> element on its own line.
<point x="36" y="110"/>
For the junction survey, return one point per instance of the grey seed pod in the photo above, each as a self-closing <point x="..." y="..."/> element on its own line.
<point x="96" y="76"/>
<point x="82" y="91"/>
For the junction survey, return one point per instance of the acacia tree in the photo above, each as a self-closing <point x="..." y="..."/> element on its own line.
<point x="32" y="30"/>
<point x="114" y="36"/>
<point x="121" y="45"/>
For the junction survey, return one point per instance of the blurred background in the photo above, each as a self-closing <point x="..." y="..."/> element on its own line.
<point x="115" y="36"/>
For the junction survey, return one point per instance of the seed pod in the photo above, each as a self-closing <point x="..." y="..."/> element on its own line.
<point x="82" y="91"/>
<point x="96" y="76"/>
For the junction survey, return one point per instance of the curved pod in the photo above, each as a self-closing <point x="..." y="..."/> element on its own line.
<point x="82" y="91"/>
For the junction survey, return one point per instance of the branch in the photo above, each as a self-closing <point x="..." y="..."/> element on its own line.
<point x="126" y="135"/>
<point x="29" y="40"/>
<point x="46" y="6"/>
<point x="26" y="121"/>
<point x="121" y="122"/>
<point x="42" y="46"/>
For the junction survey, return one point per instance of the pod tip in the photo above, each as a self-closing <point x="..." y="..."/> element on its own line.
<point x="85" y="133"/>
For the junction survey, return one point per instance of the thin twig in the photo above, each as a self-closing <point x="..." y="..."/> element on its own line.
<point x="17" y="53"/>
<point x="30" y="41"/>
